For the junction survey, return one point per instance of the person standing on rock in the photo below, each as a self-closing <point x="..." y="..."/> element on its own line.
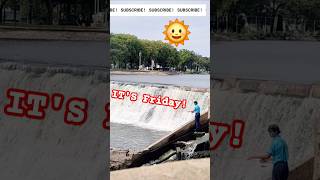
<point x="196" y="110"/>
<point x="279" y="154"/>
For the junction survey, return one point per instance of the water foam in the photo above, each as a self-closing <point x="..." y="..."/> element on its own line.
<point x="294" y="115"/>
<point x="51" y="145"/>
<point x="157" y="117"/>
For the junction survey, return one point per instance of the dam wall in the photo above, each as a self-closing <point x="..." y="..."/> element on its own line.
<point x="294" y="107"/>
<point x="38" y="149"/>
<point x="154" y="116"/>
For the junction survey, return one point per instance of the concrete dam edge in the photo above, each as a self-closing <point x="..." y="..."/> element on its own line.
<point x="311" y="166"/>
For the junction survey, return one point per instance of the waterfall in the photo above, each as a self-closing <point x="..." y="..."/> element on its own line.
<point x="294" y="115"/>
<point x="152" y="116"/>
<point x="50" y="144"/>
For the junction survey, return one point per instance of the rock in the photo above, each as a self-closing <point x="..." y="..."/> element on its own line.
<point x="120" y="159"/>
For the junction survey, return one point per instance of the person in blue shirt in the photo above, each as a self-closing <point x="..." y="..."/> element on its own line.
<point x="196" y="110"/>
<point x="279" y="154"/>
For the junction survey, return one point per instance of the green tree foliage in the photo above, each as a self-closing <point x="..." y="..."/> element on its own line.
<point x="67" y="12"/>
<point x="299" y="11"/>
<point x="289" y="8"/>
<point x="125" y="50"/>
<point x="2" y="6"/>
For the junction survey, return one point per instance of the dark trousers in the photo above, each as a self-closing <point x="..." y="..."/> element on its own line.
<point x="197" y="121"/>
<point x="280" y="171"/>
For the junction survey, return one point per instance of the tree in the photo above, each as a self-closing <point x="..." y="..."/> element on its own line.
<point x="276" y="6"/>
<point x="49" y="6"/>
<point x="188" y="59"/>
<point x="125" y="50"/>
<point x="2" y="6"/>
<point x="275" y="13"/>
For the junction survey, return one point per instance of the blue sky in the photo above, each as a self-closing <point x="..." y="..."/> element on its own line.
<point x="151" y="28"/>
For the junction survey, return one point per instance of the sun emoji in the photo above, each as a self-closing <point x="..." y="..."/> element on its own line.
<point x="176" y="32"/>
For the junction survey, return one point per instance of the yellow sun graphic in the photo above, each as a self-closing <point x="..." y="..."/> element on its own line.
<point x="176" y="32"/>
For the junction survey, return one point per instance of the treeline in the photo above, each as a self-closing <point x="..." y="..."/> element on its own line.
<point x="48" y="12"/>
<point x="125" y="51"/>
<point x="268" y="16"/>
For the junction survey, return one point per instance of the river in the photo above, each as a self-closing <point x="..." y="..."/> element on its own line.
<point x="188" y="80"/>
<point x="135" y="125"/>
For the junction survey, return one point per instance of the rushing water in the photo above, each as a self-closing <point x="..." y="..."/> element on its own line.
<point x="152" y="116"/>
<point x="135" y="125"/>
<point x="51" y="144"/>
<point x="295" y="116"/>
<point x="136" y="139"/>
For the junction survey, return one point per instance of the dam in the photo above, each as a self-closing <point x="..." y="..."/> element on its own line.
<point x="262" y="83"/>
<point x="150" y="122"/>
<point x="295" y="108"/>
<point x="52" y="145"/>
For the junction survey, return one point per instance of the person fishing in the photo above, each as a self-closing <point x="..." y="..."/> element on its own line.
<point x="196" y="110"/>
<point x="279" y="154"/>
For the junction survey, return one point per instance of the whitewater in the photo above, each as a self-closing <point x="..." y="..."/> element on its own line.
<point x="296" y="116"/>
<point x="153" y="116"/>
<point x="51" y="145"/>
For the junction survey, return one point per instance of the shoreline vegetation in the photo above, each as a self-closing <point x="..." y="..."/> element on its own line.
<point x="265" y="20"/>
<point x="129" y="52"/>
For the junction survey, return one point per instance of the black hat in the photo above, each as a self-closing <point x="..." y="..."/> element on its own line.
<point x="274" y="128"/>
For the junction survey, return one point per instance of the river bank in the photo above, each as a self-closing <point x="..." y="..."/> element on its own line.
<point x="149" y="72"/>
<point x="142" y="72"/>
<point x="179" y="170"/>
<point x="62" y="33"/>
<point x="126" y="159"/>
<point x="121" y="159"/>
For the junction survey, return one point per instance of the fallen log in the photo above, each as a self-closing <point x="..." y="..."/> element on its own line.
<point x="155" y="150"/>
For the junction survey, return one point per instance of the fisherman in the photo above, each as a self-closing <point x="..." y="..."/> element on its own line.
<point x="279" y="153"/>
<point x="196" y="110"/>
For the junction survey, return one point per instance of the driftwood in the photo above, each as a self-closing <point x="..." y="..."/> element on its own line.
<point x="156" y="149"/>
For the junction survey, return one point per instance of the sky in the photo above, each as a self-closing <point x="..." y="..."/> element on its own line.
<point x="151" y="28"/>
